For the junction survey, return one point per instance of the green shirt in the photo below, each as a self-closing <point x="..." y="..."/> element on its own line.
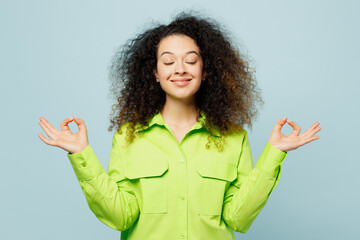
<point x="156" y="188"/>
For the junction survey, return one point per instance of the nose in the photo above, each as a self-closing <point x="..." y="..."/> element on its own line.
<point x="180" y="68"/>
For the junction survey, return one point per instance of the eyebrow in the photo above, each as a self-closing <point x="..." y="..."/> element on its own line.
<point x="173" y="53"/>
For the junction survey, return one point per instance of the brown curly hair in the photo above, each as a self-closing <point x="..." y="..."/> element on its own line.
<point x="229" y="97"/>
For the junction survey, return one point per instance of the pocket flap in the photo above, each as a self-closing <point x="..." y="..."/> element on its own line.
<point x="218" y="170"/>
<point x="149" y="167"/>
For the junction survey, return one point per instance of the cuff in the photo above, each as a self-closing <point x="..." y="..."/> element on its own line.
<point x="271" y="159"/>
<point x="85" y="164"/>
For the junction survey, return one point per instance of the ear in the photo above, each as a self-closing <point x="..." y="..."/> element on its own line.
<point x="203" y="76"/>
<point x="156" y="75"/>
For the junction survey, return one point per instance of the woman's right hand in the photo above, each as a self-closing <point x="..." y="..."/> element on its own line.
<point x="65" y="139"/>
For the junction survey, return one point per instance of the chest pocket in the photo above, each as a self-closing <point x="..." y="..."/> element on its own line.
<point x="213" y="179"/>
<point x="149" y="177"/>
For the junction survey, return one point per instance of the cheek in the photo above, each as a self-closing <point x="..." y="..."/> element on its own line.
<point x="164" y="73"/>
<point x="199" y="69"/>
<point x="199" y="72"/>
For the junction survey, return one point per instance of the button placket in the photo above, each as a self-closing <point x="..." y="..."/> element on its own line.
<point x="182" y="195"/>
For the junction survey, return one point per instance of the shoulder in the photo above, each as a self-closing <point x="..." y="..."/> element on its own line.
<point x="235" y="140"/>
<point x="120" y="134"/>
<point x="236" y="134"/>
<point x="128" y="133"/>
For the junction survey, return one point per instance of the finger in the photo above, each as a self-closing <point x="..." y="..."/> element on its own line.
<point x="46" y="140"/>
<point x="48" y="126"/>
<point x="311" y="131"/>
<point x="296" y="128"/>
<point x="316" y="130"/>
<point x="80" y="123"/>
<point x="315" y="138"/>
<point x="311" y="139"/>
<point x="312" y="127"/>
<point x="279" y="124"/>
<point x="47" y="130"/>
<point x="64" y="124"/>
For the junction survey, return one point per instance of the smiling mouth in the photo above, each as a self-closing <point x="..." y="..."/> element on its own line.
<point x="181" y="80"/>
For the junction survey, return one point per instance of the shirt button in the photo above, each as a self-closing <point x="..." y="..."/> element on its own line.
<point x="83" y="164"/>
<point x="182" y="198"/>
<point x="181" y="160"/>
<point x="182" y="236"/>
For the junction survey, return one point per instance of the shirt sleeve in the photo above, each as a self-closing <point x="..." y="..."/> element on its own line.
<point x="109" y="195"/>
<point x="248" y="194"/>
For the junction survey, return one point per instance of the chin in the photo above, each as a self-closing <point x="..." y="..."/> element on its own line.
<point x="184" y="97"/>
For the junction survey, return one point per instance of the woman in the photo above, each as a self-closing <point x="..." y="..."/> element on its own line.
<point x="180" y="165"/>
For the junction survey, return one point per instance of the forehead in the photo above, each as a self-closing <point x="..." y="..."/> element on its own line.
<point x="177" y="44"/>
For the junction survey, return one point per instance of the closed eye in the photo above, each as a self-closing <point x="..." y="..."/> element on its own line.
<point x="169" y="63"/>
<point x="191" y="62"/>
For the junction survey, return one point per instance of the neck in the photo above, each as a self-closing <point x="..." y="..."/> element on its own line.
<point x="179" y="112"/>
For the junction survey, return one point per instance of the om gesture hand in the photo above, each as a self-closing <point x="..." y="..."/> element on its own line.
<point x="294" y="140"/>
<point x="65" y="139"/>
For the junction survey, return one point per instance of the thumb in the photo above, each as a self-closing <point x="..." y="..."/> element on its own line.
<point x="279" y="124"/>
<point x="80" y="123"/>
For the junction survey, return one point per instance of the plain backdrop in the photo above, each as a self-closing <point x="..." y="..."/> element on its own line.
<point x="54" y="59"/>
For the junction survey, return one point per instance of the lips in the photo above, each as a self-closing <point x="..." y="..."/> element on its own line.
<point x="181" y="80"/>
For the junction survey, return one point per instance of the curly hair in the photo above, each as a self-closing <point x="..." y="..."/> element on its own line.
<point x="229" y="97"/>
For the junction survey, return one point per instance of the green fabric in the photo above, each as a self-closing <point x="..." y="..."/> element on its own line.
<point x="156" y="188"/>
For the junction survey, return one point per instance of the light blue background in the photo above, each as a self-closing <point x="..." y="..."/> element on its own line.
<point x="54" y="58"/>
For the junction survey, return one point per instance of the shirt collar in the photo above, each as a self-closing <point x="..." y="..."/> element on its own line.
<point x="157" y="119"/>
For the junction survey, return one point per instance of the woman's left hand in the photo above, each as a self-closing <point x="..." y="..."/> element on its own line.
<point x="294" y="140"/>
